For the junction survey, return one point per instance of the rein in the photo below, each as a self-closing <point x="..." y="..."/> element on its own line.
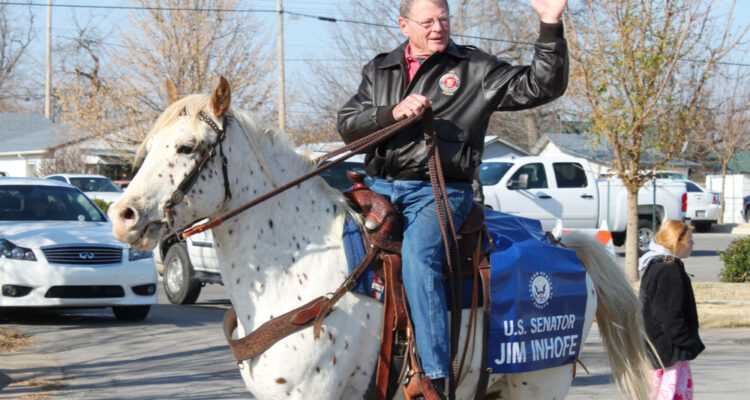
<point x="352" y="149"/>
<point x="278" y="328"/>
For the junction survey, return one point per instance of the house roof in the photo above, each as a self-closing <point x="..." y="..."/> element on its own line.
<point x="489" y="139"/>
<point x="583" y="146"/>
<point x="28" y="133"/>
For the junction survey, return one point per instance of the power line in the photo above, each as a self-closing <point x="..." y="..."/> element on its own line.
<point x="297" y="14"/>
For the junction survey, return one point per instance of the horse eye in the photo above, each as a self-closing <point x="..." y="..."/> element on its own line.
<point x="185" y="149"/>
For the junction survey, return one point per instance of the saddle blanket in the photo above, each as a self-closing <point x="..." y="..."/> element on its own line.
<point x="538" y="298"/>
<point x="370" y="284"/>
<point x="538" y="294"/>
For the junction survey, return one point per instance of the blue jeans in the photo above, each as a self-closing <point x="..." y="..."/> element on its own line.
<point x="422" y="257"/>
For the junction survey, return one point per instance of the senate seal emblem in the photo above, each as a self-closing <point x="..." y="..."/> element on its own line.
<point x="540" y="289"/>
<point x="449" y="83"/>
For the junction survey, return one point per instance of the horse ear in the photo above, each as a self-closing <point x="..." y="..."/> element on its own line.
<point x="221" y="98"/>
<point x="172" y="92"/>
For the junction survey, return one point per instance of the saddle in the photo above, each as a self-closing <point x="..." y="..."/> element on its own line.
<point x="383" y="232"/>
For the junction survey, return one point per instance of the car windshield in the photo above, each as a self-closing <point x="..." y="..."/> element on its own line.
<point x="490" y="173"/>
<point x="94" y="184"/>
<point x="336" y="176"/>
<point x="46" y="203"/>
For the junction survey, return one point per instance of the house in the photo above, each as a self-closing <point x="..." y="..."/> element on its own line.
<point x="25" y="139"/>
<point x="495" y="146"/>
<point x="600" y="156"/>
<point x="28" y="138"/>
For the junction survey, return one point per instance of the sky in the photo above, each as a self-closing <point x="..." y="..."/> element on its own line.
<point x="305" y="38"/>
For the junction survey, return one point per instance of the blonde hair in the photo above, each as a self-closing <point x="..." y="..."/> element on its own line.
<point x="672" y="233"/>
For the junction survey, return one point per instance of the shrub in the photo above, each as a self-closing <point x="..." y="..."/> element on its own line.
<point x="736" y="261"/>
<point x="102" y="204"/>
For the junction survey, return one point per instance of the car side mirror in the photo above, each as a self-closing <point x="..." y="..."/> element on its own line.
<point x="521" y="183"/>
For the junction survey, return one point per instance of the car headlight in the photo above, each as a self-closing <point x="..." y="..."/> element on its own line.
<point x="135" y="255"/>
<point x="9" y="250"/>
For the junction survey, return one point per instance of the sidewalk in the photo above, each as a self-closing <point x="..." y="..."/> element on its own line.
<point x="29" y="375"/>
<point x="719" y="373"/>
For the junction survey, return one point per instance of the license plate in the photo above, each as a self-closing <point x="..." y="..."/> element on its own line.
<point x="700" y="213"/>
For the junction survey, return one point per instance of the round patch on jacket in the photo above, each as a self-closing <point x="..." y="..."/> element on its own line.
<point x="449" y="83"/>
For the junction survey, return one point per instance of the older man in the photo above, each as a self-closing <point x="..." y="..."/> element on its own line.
<point x="463" y="85"/>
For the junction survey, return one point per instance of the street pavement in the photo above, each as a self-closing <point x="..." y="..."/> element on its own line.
<point x="179" y="351"/>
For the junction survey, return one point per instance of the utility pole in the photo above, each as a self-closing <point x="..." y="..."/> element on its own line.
<point x="280" y="41"/>
<point x="48" y="83"/>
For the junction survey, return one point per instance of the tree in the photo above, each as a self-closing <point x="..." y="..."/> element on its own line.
<point x="118" y="90"/>
<point x="67" y="159"/>
<point x="16" y="33"/>
<point x="640" y="69"/>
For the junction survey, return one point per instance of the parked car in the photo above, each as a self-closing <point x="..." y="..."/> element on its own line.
<point x="57" y="250"/>
<point x="188" y="265"/>
<point x="669" y="175"/>
<point x="702" y="206"/>
<point x="123" y="184"/>
<point x="95" y="186"/>
<point x="563" y="188"/>
<point x="746" y="208"/>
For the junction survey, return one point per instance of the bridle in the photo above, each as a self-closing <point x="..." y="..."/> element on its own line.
<point x="206" y="156"/>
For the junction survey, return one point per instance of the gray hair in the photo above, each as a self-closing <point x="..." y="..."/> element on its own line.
<point x="406" y="6"/>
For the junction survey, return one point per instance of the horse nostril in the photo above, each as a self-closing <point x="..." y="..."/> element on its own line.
<point x="127" y="213"/>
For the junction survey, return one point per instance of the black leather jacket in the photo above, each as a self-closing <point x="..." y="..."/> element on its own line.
<point x="462" y="111"/>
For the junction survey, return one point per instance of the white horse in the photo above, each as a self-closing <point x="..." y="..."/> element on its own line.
<point x="288" y="250"/>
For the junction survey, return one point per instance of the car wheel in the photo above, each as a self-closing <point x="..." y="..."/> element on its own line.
<point x="645" y="235"/>
<point x="179" y="286"/>
<point x="131" y="313"/>
<point x="702" y="226"/>
<point x="747" y="214"/>
<point x="618" y="238"/>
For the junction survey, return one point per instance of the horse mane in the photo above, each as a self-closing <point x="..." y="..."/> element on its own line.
<point x="254" y="131"/>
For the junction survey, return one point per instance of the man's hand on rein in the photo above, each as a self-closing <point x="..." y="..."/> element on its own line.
<point x="410" y="106"/>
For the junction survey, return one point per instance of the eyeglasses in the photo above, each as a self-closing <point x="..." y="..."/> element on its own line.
<point x="429" y="23"/>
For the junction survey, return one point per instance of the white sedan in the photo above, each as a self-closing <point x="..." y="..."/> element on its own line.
<point x="57" y="250"/>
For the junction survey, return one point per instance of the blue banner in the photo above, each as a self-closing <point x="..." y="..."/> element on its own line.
<point x="538" y="298"/>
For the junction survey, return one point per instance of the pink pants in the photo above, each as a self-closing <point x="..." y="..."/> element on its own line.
<point x="672" y="383"/>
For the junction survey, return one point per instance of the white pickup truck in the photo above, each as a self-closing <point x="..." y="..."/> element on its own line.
<point x="551" y="189"/>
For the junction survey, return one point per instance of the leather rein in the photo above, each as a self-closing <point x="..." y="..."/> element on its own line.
<point x="313" y="312"/>
<point x="351" y="149"/>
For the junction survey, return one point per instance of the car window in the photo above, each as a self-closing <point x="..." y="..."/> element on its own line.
<point x="336" y="176"/>
<point x="490" y="173"/>
<point x="94" y="184"/>
<point x="42" y="203"/>
<point x="569" y="175"/>
<point x="692" y="187"/>
<point x="57" y="178"/>
<point x="537" y="176"/>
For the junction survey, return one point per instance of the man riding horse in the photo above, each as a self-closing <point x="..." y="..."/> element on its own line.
<point x="463" y="85"/>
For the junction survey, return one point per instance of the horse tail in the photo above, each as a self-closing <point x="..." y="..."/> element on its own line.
<point x="618" y="315"/>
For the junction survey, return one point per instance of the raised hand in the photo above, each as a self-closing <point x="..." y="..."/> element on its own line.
<point x="549" y="11"/>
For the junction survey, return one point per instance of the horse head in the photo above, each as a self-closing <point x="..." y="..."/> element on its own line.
<point x="182" y="176"/>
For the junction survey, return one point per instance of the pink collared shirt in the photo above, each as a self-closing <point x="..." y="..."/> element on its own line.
<point x="412" y="64"/>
